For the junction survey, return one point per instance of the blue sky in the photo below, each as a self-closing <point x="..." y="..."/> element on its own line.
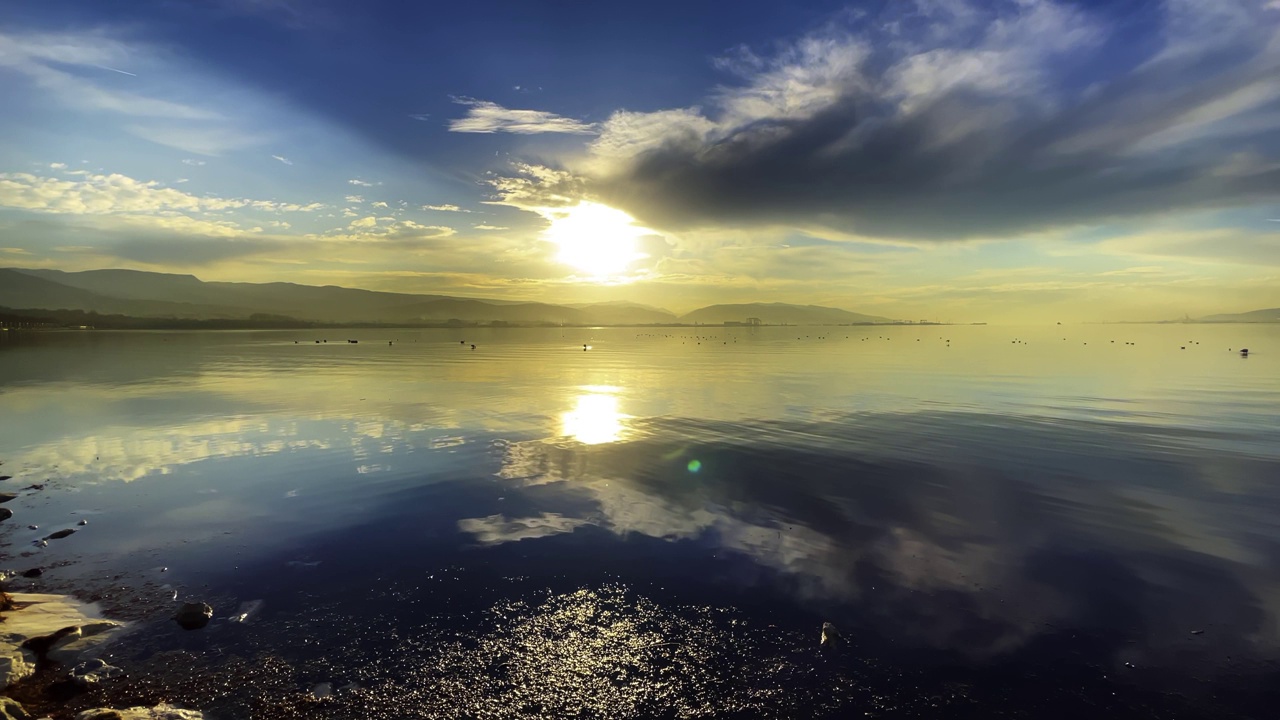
<point x="978" y="160"/>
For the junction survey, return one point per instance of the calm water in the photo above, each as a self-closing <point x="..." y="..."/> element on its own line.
<point x="1022" y="522"/>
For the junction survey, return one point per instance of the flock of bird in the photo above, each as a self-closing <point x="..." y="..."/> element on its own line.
<point x="698" y="339"/>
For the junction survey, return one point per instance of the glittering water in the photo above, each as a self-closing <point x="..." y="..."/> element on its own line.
<point x="1003" y="522"/>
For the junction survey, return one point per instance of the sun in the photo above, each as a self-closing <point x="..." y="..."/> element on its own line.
<point x="595" y="238"/>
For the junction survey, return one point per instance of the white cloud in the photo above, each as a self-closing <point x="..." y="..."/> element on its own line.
<point x="355" y="198"/>
<point x="489" y="117"/>
<point x="282" y="159"/>
<point x="445" y="208"/>
<point x="201" y="140"/>
<point x="58" y="166"/>
<point x="190" y="161"/>
<point x="362" y="183"/>
<point x="116" y="193"/>
<point x="179" y="181"/>
<point x="490" y="227"/>
<point x="379" y="204"/>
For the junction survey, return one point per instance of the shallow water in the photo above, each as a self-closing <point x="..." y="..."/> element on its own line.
<point x="1003" y="522"/>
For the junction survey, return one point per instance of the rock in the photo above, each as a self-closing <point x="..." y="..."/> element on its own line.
<point x="6" y="477"/>
<point x="33" y="527"/>
<point x="247" y="611"/>
<point x="15" y="664"/>
<point x="33" y="573"/>
<point x="6" y="497"/>
<point x="11" y="709"/>
<point x="85" y="643"/>
<point x="90" y="673"/>
<point x="159" y="712"/>
<point x="5" y="513"/>
<point x="193" y="616"/>
<point x="830" y="636"/>
<point x="55" y="627"/>
<point x="60" y="534"/>
<point x="83" y="522"/>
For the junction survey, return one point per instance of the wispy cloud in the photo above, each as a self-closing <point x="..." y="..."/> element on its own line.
<point x="354" y="198"/>
<point x="489" y="117"/>
<point x="362" y="183"/>
<point x="191" y="161"/>
<point x="490" y="227"/>
<point x="445" y="208"/>
<point x="282" y="159"/>
<point x="45" y="59"/>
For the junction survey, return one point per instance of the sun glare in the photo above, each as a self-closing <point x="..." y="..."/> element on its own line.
<point x="594" y="419"/>
<point x="596" y="239"/>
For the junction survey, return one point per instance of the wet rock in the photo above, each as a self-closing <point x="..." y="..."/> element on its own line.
<point x="248" y="610"/>
<point x="90" y="673"/>
<point x="5" y="513"/>
<point x="87" y="642"/>
<point x="83" y="522"/>
<point x="33" y="572"/>
<point x="193" y="616"/>
<point x="11" y="709"/>
<point x="15" y="664"/>
<point x="60" y="534"/>
<point x="33" y="527"/>
<point x="6" y="477"/>
<point x="159" y="712"/>
<point x="6" y="497"/>
<point x="53" y="627"/>
<point x="830" y="636"/>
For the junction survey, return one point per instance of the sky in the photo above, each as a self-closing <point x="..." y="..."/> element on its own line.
<point x="956" y="160"/>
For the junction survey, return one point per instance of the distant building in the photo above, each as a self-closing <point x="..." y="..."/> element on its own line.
<point x="753" y="322"/>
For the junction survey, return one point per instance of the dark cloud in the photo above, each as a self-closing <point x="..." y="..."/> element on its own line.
<point x="996" y="139"/>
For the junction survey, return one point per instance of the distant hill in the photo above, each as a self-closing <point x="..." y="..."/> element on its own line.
<point x="149" y="295"/>
<point x="778" y="314"/>
<point x="624" y="313"/>
<point x="1256" y="316"/>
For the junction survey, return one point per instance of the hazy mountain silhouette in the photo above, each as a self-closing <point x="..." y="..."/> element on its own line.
<point x="778" y="314"/>
<point x="1271" y="315"/>
<point x="161" y="295"/>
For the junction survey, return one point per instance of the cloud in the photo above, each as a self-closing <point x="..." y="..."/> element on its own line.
<point x="490" y="227"/>
<point x="58" y="166"/>
<point x="445" y="208"/>
<point x="489" y="117"/>
<point x="362" y="183"/>
<point x="379" y="204"/>
<point x="203" y="140"/>
<point x="190" y="161"/>
<point x="988" y="120"/>
<point x="284" y="160"/>
<point x="46" y="59"/>
<point x="354" y="198"/>
<point x="115" y="193"/>
<point x="498" y="529"/>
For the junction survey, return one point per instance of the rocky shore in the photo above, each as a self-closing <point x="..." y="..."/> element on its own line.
<point x="51" y="648"/>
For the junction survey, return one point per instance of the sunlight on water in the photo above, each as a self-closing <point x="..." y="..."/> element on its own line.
<point x="595" y="418"/>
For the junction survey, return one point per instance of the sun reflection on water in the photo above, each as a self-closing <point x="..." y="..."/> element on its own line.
<point x="595" y="418"/>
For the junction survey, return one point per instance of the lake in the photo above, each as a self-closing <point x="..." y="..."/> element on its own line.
<point x="1058" y="521"/>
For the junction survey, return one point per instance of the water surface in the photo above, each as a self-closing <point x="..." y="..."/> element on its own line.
<point x="1065" y="521"/>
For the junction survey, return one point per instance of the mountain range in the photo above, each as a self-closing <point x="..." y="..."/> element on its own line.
<point x="1270" y="315"/>
<point x="141" y="294"/>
